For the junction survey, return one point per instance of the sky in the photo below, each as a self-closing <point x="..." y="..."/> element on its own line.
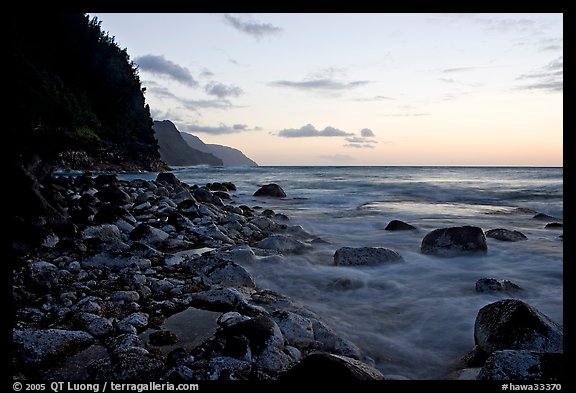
<point x="357" y="89"/>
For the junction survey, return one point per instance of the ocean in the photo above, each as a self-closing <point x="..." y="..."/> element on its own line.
<point x="416" y="318"/>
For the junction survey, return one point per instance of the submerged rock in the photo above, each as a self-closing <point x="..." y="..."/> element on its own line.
<point x="513" y="324"/>
<point x="506" y="235"/>
<point x="329" y="367"/>
<point x="492" y="284"/>
<point x="283" y="243"/>
<point x="448" y="242"/>
<point x="162" y="337"/>
<point x="397" y="225"/>
<point x="524" y="365"/>
<point x="554" y="225"/>
<point x="349" y="256"/>
<point x="271" y="190"/>
<point x="544" y="217"/>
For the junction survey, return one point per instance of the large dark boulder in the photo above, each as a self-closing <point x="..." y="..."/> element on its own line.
<point x="506" y="235"/>
<point x="271" y="190"/>
<point x="349" y="256"/>
<point x="447" y="242"/>
<point x="167" y="178"/>
<point x="113" y="194"/>
<point x="513" y="324"/>
<point x="329" y="367"/>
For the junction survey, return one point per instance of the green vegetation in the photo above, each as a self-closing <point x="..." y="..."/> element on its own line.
<point x="74" y="89"/>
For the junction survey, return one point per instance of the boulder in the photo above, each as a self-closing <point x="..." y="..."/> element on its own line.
<point x="448" y="242"/>
<point x="230" y="274"/>
<point x="349" y="256"/>
<point x="544" y="217"/>
<point x="43" y="274"/>
<point x="148" y="235"/>
<point x="227" y="299"/>
<point x="513" y="324"/>
<point x="39" y="347"/>
<point x="104" y="232"/>
<point x="283" y="244"/>
<point x="329" y="367"/>
<point x="203" y="195"/>
<point x="509" y="365"/>
<point x="505" y="235"/>
<point x="397" y="225"/>
<point x="493" y="284"/>
<point x="271" y="190"/>
<point x="94" y="324"/>
<point x="167" y="178"/>
<point x="113" y="194"/>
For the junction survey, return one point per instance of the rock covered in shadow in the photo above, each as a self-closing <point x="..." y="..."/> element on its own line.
<point x="506" y="235"/>
<point x="349" y="256"/>
<point x="544" y="217"/>
<point x="522" y="365"/>
<point x="554" y="225"/>
<point x="453" y="241"/>
<point x="397" y="225"/>
<point x="513" y="324"/>
<point x="162" y="337"/>
<point x="167" y="178"/>
<point x="330" y="367"/>
<point x="37" y="347"/>
<point x="493" y="284"/>
<point x="271" y="190"/>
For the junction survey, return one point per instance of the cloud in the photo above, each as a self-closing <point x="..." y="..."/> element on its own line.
<point x="253" y="28"/>
<point x="457" y="69"/>
<point x="375" y="98"/>
<point x="318" y="84"/>
<point x="158" y="65"/>
<point x="219" y="130"/>
<point x="447" y="80"/>
<point x="366" y="132"/>
<point x="549" y="78"/>
<point x="360" y="145"/>
<point x="356" y="139"/>
<point x="310" y="131"/>
<point x="220" y="90"/>
<point x="191" y="104"/>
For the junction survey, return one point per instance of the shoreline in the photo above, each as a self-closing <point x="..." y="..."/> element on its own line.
<point x="127" y="263"/>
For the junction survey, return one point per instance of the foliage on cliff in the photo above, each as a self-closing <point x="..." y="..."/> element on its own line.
<point x="76" y="98"/>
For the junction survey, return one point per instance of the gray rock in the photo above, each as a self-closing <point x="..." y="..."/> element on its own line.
<point x="148" y="235"/>
<point x="506" y="235"/>
<point x="95" y="325"/>
<point x="283" y="244"/>
<point x="397" y="225"/>
<point x="492" y="284"/>
<point x="214" y="232"/>
<point x="115" y="262"/>
<point x="44" y="274"/>
<point x="271" y="190"/>
<point x="203" y="195"/>
<point x="448" y="242"/>
<point x="513" y="324"/>
<point x="104" y="232"/>
<point x="329" y="341"/>
<point x="348" y="256"/>
<point x="125" y="296"/>
<point x="167" y="178"/>
<point x="297" y="329"/>
<point x="545" y="217"/>
<point x="39" y="347"/>
<point x="230" y="274"/>
<point x="227" y="299"/>
<point x="139" y="320"/>
<point x="330" y="367"/>
<point x="273" y="360"/>
<point x="511" y="365"/>
<point x="125" y="343"/>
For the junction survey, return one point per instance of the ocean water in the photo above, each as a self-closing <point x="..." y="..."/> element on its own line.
<point x="414" y="318"/>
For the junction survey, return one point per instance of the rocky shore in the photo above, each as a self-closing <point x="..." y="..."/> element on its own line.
<point x="96" y="281"/>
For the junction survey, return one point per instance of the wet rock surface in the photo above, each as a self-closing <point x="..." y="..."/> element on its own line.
<point x="505" y="235"/>
<point x="453" y="241"/>
<point x="138" y="252"/>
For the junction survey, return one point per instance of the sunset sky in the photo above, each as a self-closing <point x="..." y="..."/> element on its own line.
<point x="357" y="89"/>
